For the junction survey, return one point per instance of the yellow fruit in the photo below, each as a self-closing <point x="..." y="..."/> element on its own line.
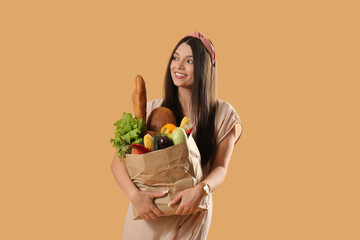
<point x="186" y="123"/>
<point x="169" y="128"/>
<point x="149" y="142"/>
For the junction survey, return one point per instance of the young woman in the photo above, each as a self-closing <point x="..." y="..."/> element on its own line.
<point x="190" y="90"/>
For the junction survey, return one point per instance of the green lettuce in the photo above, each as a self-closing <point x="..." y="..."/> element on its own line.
<point x="129" y="130"/>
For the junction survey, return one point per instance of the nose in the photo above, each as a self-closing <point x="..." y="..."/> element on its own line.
<point x="180" y="65"/>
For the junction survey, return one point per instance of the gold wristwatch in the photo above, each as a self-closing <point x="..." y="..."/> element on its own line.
<point x="206" y="187"/>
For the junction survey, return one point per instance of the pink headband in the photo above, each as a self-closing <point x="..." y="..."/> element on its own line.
<point x="206" y="42"/>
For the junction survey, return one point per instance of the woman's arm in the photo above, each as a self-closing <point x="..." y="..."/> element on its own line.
<point x="222" y="158"/>
<point x="143" y="201"/>
<point x="122" y="177"/>
<point x="191" y="198"/>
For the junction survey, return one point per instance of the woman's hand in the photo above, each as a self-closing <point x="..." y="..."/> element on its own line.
<point x="190" y="200"/>
<point x="143" y="202"/>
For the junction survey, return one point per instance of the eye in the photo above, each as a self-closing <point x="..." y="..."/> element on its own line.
<point x="174" y="58"/>
<point x="191" y="61"/>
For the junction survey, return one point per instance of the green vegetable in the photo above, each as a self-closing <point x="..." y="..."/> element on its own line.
<point x="178" y="135"/>
<point x="156" y="141"/>
<point x="129" y="130"/>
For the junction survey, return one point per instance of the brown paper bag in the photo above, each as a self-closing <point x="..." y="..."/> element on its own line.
<point x="175" y="169"/>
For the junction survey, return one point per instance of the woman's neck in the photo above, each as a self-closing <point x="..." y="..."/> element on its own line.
<point x="184" y="95"/>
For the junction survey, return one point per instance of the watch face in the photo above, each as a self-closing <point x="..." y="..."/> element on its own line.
<point x="207" y="189"/>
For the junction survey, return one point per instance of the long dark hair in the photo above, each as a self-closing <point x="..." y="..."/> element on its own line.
<point x="203" y="98"/>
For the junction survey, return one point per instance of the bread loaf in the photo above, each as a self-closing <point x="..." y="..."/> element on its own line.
<point x="159" y="117"/>
<point x="139" y="98"/>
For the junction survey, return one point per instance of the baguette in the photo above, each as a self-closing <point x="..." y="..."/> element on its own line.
<point x="139" y="98"/>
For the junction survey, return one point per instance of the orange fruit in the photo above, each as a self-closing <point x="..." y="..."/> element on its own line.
<point x="169" y="128"/>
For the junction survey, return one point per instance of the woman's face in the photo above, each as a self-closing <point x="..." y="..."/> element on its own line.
<point x="182" y="66"/>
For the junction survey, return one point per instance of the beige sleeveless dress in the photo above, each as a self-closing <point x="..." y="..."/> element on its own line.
<point x="195" y="226"/>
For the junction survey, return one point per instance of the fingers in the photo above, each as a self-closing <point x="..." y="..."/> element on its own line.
<point x="158" y="194"/>
<point x="152" y="215"/>
<point x="185" y="211"/>
<point x="156" y="211"/>
<point x="142" y="216"/>
<point x="151" y="212"/>
<point x="148" y="216"/>
<point x="176" y="199"/>
<point x="148" y="210"/>
<point x="193" y="211"/>
<point x="146" y="202"/>
<point x="182" y="210"/>
<point x="179" y="210"/>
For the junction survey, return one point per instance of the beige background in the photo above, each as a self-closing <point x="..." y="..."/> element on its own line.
<point x="290" y="68"/>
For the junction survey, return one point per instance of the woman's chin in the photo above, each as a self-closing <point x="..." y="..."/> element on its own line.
<point x="178" y="84"/>
<point x="181" y="83"/>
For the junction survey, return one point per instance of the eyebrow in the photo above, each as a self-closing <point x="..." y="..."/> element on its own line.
<point x="186" y="56"/>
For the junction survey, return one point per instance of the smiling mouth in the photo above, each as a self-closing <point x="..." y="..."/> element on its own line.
<point x="179" y="75"/>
